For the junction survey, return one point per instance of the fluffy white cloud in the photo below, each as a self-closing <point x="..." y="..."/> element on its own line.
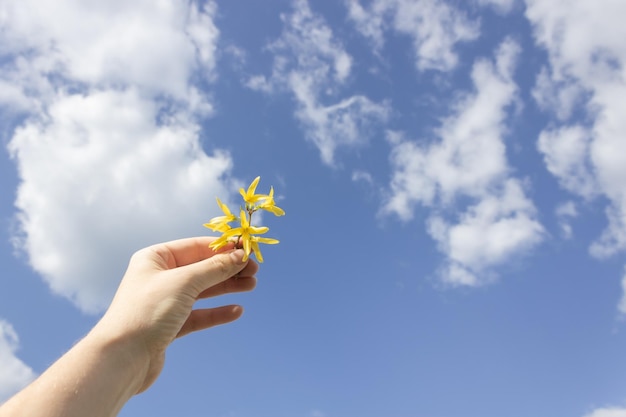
<point x="469" y="161"/>
<point x="345" y="123"/>
<point x="566" y="153"/>
<point x="470" y="156"/>
<point x="500" y="226"/>
<point x="434" y="26"/>
<point x="557" y="95"/>
<point x="587" y="56"/>
<point x="608" y="412"/>
<point x="312" y="65"/>
<point x="15" y="373"/>
<point x="91" y="42"/>
<point x="109" y="155"/>
<point x="613" y="238"/>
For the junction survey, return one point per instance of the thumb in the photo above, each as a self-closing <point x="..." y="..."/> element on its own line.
<point x="211" y="271"/>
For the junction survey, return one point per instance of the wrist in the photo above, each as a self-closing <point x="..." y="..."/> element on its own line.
<point x="126" y="354"/>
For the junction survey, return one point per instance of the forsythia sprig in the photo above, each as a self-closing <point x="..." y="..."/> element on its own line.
<point x="245" y="233"/>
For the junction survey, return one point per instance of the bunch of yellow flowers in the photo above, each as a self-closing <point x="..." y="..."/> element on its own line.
<point x="245" y="234"/>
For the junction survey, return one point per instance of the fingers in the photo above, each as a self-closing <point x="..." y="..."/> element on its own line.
<point x="250" y="270"/>
<point x="207" y="273"/>
<point x="204" y="318"/>
<point x="231" y="285"/>
<point x="243" y="281"/>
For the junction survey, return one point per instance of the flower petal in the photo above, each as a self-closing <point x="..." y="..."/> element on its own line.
<point x="253" y="184"/>
<point x="266" y="240"/>
<point x="270" y="205"/>
<point x="246" y="247"/>
<point x="257" y="251"/>
<point x="258" y="230"/>
<point x="219" y="243"/>
<point x="277" y="211"/>
<point x="217" y="227"/>
<point x="224" y="208"/>
<point x="244" y="220"/>
<point x="249" y="196"/>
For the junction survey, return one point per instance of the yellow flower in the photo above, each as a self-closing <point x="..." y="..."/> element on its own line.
<point x="220" y="223"/>
<point x="245" y="236"/>
<point x="269" y="204"/>
<point x="249" y="196"/>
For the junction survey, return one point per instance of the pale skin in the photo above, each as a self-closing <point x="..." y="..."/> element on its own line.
<point x="125" y="352"/>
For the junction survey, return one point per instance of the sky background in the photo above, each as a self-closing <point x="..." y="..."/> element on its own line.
<point x="453" y="173"/>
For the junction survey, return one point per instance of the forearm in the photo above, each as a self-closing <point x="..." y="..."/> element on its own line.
<point x="95" y="378"/>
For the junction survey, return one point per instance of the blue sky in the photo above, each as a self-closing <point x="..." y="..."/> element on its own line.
<point x="452" y="171"/>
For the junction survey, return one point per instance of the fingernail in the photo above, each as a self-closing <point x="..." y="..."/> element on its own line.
<point x="237" y="256"/>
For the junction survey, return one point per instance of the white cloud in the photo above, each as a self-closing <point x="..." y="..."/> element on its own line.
<point x="345" y="123"/>
<point x="501" y="6"/>
<point x="567" y="157"/>
<point x="557" y="95"/>
<point x="15" y="373"/>
<point x="622" y="304"/>
<point x="371" y="22"/>
<point x="500" y="226"/>
<point x="312" y="65"/>
<point x="364" y="176"/>
<point x="613" y="238"/>
<point x="469" y="162"/>
<point x="470" y="156"/>
<point x="564" y="213"/>
<point x="109" y="156"/>
<point x="587" y="56"/>
<point x="608" y="412"/>
<point x="435" y="28"/>
<point x="567" y="209"/>
<point x="307" y="36"/>
<point x="92" y="42"/>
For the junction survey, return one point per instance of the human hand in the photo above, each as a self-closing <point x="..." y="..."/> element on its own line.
<point x="124" y="353"/>
<point x="154" y="302"/>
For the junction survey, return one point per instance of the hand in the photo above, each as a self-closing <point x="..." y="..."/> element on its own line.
<point x="124" y="353"/>
<point x="154" y="302"/>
